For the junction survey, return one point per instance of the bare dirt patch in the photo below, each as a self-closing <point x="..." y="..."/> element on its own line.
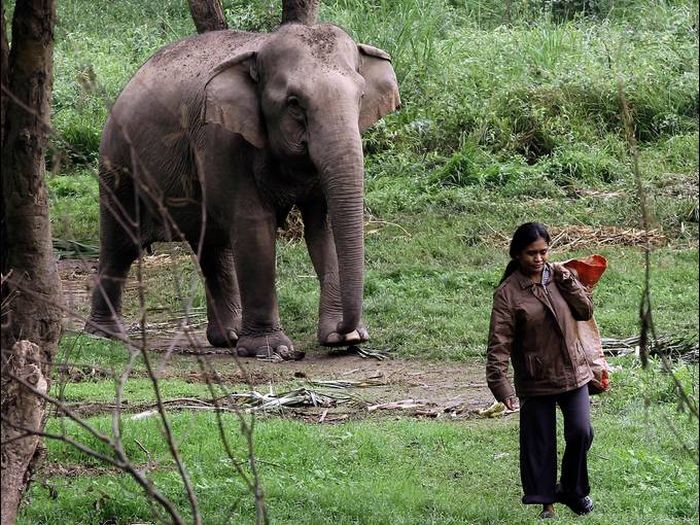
<point x="356" y="387"/>
<point x="76" y="277"/>
<point x="399" y="386"/>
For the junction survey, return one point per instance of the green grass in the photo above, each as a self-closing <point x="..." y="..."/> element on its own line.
<point x="434" y="302"/>
<point x="396" y="470"/>
<point x="74" y="209"/>
<point x="136" y="391"/>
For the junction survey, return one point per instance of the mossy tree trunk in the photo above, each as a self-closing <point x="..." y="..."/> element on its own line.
<point x="208" y="15"/>
<point x="31" y="292"/>
<point x="300" y="11"/>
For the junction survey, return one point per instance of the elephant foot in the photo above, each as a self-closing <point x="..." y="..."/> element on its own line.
<point x="274" y="346"/>
<point x="221" y="339"/>
<point x="331" y="338"/>
<point x="109" y="329"/>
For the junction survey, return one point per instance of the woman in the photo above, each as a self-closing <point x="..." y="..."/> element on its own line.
<point x="533" y="324"/>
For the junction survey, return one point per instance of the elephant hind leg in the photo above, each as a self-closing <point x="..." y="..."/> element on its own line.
<point x="105" y="314"/>
<point x="223" y="297"/>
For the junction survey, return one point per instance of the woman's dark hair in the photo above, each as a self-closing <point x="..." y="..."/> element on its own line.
<point x="523" y="237"/>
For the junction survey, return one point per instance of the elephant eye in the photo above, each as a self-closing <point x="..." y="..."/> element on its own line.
<point x="294" y="108"/>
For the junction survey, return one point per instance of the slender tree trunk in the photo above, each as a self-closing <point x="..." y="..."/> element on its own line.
<point x="4" y="76"/>
<point x="4" y="72"/>
<point x="31" y="292"/>
<point x="300" y="11"/>
<point x="207" y="15"/>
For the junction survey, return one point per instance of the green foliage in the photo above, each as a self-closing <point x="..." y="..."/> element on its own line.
<point x="637" y="387"/>
<point x="484" y="85"/>
<point x="589" y="167"/>
<point x="74" y="206"/>
<point x="263" y="15"/>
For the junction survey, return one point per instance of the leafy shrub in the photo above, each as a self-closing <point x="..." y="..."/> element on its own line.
<point x="573" y="166"/>
<point x="263" y="15"/>
<point x="74" y="206"/>
<point x="462" y="169"/>
<point x="496" y="97"/>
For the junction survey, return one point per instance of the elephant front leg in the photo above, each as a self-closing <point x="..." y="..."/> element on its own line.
<point x="223" y="297"/>
<point x="321" y="246"/>
<point x="254" y="254"/>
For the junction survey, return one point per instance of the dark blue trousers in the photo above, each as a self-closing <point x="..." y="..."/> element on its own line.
<point x="538" y="445"/>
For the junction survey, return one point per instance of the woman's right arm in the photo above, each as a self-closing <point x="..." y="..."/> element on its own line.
<point x="573" y="292"/>
<point x="501" y="333"/>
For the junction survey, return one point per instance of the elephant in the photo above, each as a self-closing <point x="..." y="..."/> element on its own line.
<point x="212" y="142"/>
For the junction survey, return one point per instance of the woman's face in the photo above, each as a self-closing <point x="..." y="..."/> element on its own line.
<point x="533" y="257"/>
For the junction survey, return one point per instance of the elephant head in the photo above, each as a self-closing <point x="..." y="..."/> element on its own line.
<point x="304" y="95"/>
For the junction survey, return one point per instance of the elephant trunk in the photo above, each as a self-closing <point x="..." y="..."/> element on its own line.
<point x="337" y="154"/>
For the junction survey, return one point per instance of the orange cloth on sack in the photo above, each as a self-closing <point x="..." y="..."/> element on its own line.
<point x="590" y="270"/>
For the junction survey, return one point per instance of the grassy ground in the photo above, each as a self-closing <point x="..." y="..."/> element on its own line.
<point x="393" y="470"/>
<point x="510" y="113"/>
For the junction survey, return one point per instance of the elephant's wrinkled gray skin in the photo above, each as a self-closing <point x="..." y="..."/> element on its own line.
<point x="249" y="125"/>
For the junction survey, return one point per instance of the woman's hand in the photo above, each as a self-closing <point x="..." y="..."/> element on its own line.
<point x="512" y="403"/>
<point x="562" y="272"/>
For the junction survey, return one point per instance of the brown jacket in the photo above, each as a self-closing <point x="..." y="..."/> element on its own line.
<point x="535" y="327"/>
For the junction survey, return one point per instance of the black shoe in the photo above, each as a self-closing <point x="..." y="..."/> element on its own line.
<point x="582" y="506"/>
<point x="578" y="506"/>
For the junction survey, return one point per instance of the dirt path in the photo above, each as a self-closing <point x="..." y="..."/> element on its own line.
<point x="391" y="385"/>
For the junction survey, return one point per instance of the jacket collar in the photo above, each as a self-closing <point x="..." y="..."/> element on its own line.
<point x="526" y="282"/>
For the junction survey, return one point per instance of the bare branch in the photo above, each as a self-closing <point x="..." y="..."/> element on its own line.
<point x="196" y="515"/>
<point x="144" y="187"/>
<point x="645" y="309"/>
<point x="645" y="312"/>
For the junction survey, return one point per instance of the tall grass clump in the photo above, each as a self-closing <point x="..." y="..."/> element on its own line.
<point x="543" y="93"/>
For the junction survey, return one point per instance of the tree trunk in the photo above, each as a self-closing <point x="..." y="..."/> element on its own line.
<point x="31" y="292"/>
<point x="207" y="15"/>
<point x="4" y="76"/>
<point x="300" y="11"/>
<point x="4" y="72"/>
<point x="22" y="412"/>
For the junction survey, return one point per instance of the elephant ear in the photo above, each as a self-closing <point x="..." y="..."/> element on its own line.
<point x="381" y="89"/>
<point x="231" y="99"/>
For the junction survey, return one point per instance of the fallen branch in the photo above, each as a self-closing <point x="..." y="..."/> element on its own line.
<point x="684" y="348"/>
